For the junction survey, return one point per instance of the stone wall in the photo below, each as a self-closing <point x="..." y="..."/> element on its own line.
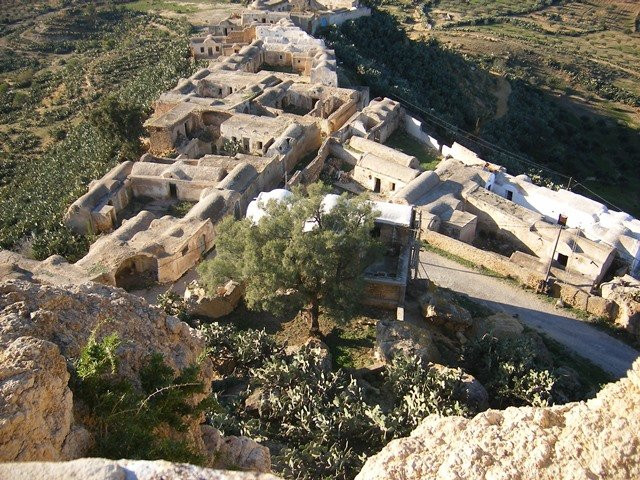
<point x="489" y="260"/>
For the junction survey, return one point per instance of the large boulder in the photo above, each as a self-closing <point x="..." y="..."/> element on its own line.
<point x="36" y="404"/>
<point x="441" y="310"/>
<point x="101" y="469"/>
<point x="395" y="337"/>
<point x="593" y="439"/>
<point x="625" y="293"/>
<point x="475" y="395"/>
<point x="500" y="325"/>
<point x="225" y="301"/>
<point x="235" y="453"/>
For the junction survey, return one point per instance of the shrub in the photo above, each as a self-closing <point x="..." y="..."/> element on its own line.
<point x="148" y="422"/>
<point x="246" y="349"/>
<point x="508" y="370"/>
<point x="174" y="304"/>
<point x="419" y="391"/>
<point x="322" y="422"/>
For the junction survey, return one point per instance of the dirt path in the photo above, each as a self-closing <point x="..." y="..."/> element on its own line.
<point x="605" y="351"/>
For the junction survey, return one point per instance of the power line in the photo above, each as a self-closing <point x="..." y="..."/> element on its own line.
<point x="479" y="141"/>
<point x="496" y="148"/>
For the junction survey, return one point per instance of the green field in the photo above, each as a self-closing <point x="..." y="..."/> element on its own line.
<point x="57" y="130"/>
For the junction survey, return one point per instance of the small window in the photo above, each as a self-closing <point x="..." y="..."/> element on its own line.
<point x="509" y="195"/>
<point x="393" y="187"/>
<point x="264" y="20"/>
<point x="258" y="145"/>
<point x="217" y="49"/>
<point x="201" y="49"/>
<point x="280" y="57"/>
<point x="185" y="250"/>
<point x="563" y="259"/>
<point x="219" y="91"/>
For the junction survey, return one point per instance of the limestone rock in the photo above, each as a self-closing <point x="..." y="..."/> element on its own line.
<point x="593" y="439"/>
<point x="625" y="293"/>
<point x="35" y="401"/>
<point x="66" y="316"/>
<point x="476" y="395"/>
<point x="101" y="469"/>
<point x="237" y="453"/>
<point x="499" y="325"/>
<point x="200" y="303"/>
<point x="244" y="454"/>
<point x="441" y="310"/>
<point x="394" y="337"/>
<point x="42" y="327"/>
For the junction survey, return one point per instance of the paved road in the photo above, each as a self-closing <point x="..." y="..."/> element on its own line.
<point x="603" y="350"/>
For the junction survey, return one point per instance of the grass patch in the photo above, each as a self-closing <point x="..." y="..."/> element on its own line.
<point x="160" y="5"/>
<point x="401" y="140"/>
<point x="351" y="345"/>
<point x="180" y="209"/>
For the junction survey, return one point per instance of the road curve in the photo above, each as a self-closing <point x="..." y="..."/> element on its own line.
<point x="605" y="351"/>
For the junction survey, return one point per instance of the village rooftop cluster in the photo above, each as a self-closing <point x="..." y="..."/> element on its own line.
<point x="267" y="113"/>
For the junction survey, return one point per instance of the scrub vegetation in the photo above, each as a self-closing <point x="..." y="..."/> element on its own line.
<point x="76" y="82"/>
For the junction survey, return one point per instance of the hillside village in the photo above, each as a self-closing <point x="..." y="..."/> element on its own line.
<point x="264" y="117"/>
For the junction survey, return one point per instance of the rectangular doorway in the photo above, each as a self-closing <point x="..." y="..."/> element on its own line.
<point x="376" y="187"/>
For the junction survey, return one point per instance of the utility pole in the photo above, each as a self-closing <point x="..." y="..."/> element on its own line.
<point x="562" y="221"/>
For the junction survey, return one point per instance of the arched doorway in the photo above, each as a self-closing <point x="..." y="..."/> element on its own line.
<point x="137" y="272"/>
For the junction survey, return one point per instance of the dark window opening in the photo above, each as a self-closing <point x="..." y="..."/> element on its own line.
<point x="509" y="195"/>
<point x="173" y="191"/>
<point x="201" y="49"/>
<point x="563" y="259"/>
<point x="376" y="187"/>
<point x="393" y="187"/>
<point x="185" y="250"/>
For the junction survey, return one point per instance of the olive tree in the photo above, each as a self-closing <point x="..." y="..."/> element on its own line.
<point x="300" y="255"/>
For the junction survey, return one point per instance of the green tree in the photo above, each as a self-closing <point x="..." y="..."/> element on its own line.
<point x="299" y="255"/>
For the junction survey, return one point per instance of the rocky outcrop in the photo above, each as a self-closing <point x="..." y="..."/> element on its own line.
<point x="236" y="452"/>
<point x="198" y="302"/>
<point x="394" y="337"/>
<point x="44" y="327"/>
<point x="499" y="325"/>
<point x="35" y="401"/>
<point x="101" y="469"/>
<point x="438" y="309"/>
<point x="625" y="293"/>
<point x="596" y="439"/>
